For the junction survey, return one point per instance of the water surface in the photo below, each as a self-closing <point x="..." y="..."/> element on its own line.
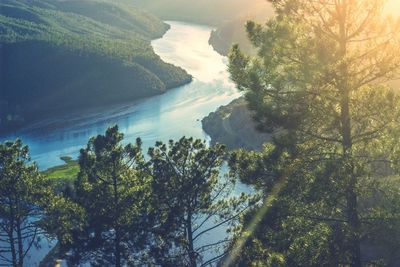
<point x="169" y="116"/>
<point x="172" y="115"/>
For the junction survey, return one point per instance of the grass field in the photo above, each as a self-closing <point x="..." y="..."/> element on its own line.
<point x="66" y="172"/>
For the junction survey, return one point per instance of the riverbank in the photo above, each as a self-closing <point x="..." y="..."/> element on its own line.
<point x="75" y="55"/>
<point x="171" y="115"/>
<point x="233" y="126"/>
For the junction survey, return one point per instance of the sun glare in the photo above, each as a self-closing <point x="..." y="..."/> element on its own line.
<point x="393" y="7"/>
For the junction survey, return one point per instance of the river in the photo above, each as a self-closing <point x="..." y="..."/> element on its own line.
<point x="172" y="115"/>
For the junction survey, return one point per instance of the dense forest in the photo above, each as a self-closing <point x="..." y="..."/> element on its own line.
<point x="324" y="190"/>
<point x="55" y="55"/>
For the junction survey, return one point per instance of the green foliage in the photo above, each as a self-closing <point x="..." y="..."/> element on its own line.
<point x="62" y="177"/>
<point x="315" y="78"/>
<point x="27" y="206"/>
<point x="99" y="47"/>
<point x="151" y="210"/>
<point x="18" y="198"/>
<point x="116" y="14"/>
<point x="68" y="171"/>
<point x="113" y="195"/>
<point x="192" y="199"/>
<point x="103" y="27"/>
<point x="305" y="224"/>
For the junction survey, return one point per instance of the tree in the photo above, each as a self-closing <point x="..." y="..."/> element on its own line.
<point x="321" y="76"/>
<point x="154" y="210"/>
<point x="22" y="191"/>
<point x="112" y="193"/>
<point x="192" y="200"/>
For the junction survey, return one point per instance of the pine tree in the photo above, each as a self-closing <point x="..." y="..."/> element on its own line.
<point x="192" y="199"/>
<point x="113" y="195"/>
<point x="26" y="202"/>
<point x="321" y="78"/>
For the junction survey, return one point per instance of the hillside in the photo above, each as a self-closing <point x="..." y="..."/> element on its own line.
<point x="228" y="16"/>
<point x="61" y="55"/>
<point x="234" y="32"/>
<point x="233" y="126"/>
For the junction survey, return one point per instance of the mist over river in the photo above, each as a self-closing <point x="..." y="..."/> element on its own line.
<point x="172" y="115"/>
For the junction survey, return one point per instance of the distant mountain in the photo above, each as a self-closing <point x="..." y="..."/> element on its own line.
<point x="234" y="32"/>
<point x="211" y="12"/>
<point x="62" y="55"/>
<point x="228" y="16"/>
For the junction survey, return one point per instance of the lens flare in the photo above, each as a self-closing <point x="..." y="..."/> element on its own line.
<point x="255" y="222"/>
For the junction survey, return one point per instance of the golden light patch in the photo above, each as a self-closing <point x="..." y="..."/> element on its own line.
<point x="393" y="7"/>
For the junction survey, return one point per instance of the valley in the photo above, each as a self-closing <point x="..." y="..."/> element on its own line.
<point x="58" y="56"/>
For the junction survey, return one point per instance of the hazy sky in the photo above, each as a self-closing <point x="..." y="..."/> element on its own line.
<point x="393" y="6"/>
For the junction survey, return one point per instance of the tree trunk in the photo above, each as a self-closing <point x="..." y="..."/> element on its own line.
<point x="192" y="253"/>
<point x="116" y="227"/>
<point x="12" y="247"/>
<point x="11" y="235"/>
<point x="117" y="248"/>
<point x="354" y="225"/>
<point x="351" y="183"/>
<point x="20" y="244"/>
<point x="347" y="143"/>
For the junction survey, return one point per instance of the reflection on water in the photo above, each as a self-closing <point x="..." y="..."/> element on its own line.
<point x="169" y="116"/>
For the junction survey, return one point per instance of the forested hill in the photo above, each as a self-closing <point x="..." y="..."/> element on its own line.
<point x="62" y="55"/>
